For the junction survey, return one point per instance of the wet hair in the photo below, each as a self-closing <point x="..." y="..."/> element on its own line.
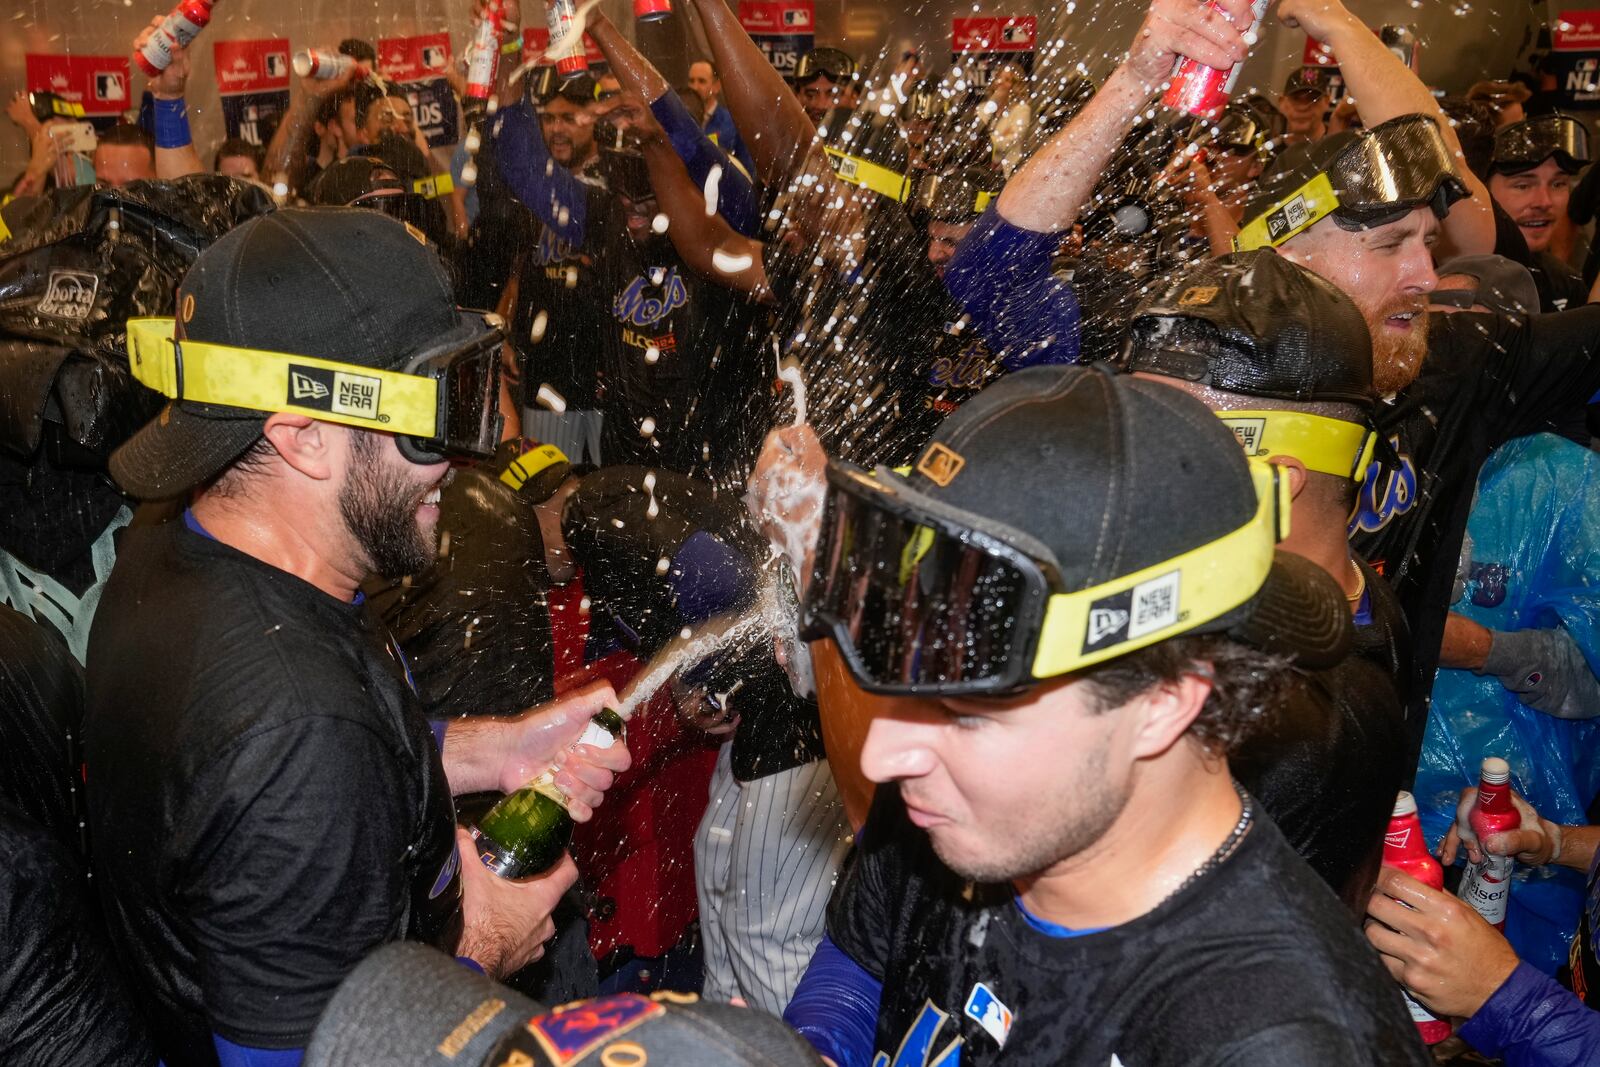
<point x="1247" y="685"/>
<point x="238" y="146"/>
<point x="359" y="50"/>
<point x="126" y="133"/>
<point x="368" y="94"/>
<point x="1474" y="123"/>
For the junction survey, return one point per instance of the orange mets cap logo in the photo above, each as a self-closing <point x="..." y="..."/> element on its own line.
<point x="571" y="1033"/>
<point x="941" y="464"/>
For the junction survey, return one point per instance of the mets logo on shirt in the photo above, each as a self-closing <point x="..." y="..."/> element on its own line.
<point x="649" y="299"/>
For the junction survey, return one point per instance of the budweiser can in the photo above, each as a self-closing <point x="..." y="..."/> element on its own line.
<point x="562" y="18"/>
<point x="651" y="10"/>
<point x="1198" y="89"/>
<point x="181" y="26"/>
<point x="483" y="54"/>
<point x="321" y="64"/>
<point x="1486" y="885"/>
<point x="1405" y="850"/>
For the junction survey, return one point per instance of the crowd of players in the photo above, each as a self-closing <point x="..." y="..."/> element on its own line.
<point x="1085" y="748"/>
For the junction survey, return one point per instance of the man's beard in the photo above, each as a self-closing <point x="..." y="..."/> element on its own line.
<point x="1396" y="357"/>
<point x="379" y="506"/>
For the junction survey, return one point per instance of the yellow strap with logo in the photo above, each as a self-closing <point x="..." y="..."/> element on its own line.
<point x="858" y="171"/>
<point x="1172" y="597"/>
<point x="1294" y="214"/>
<point x="68" y="108"/>
<point x="523" y="469"/>
<point x="434" y="186"/>
<point x="1327" y="446"/>
<point x="325" y="389"/>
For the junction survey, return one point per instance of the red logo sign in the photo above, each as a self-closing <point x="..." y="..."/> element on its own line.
<point x="1318" y="54"/>
<point x="99" y="83"/>
<point x="252" y="66"/>
<point x="1577" y="31"/>
<point x="535" y="39"/>
<point x="777" y="16"/>
<point x="993" y="34"/>
<point x="412" y="59"/>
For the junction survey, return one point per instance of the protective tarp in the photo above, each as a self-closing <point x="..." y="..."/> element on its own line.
<point x="1535" y="542"/>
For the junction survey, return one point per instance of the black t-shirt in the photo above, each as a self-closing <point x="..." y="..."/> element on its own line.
<point x="1486" y="379"/>
<point x="61" y="1000"/>
<point x="1559" y="285"/>
<point x="267" y="802"/>
<point x="1329" y="761"/>
<point x="1255" y="963"/>
<point x="41" y="716"/>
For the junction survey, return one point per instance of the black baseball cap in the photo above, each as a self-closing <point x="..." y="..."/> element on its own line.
<point x="1309" y="80"/>
<point x="1254" y="323"/>
<point x="411" y="1004"/>
<point x="1504" y="285"/>
<point x="1061" y="518"/>
<point x="340" y="284"/>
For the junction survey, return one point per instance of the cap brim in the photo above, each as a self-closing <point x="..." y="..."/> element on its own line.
<point x="178" y="450"/>
<point x="1300" y="613"/>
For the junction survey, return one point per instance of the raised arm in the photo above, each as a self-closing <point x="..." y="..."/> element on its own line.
<point x="1384" y="88"/>
<point x="286" y="152"/>
<point x="770" y="119"/>
<point x="1047" y="193"/>
<point x="175" y="151"/>
<point x="544" y="187"/>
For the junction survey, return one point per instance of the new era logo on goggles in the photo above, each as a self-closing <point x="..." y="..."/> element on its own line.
<point x="1327" y="446"/>
<point x="1387" y="171"/>
<point x="926" y="600"/>
<point x="445" y="403"/>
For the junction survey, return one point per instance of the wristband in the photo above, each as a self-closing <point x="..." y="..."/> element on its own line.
<point x="172" y="123"/>
<point x="512" y="47"/>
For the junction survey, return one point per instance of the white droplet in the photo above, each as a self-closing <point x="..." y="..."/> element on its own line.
<point x="563" y="216"/>
<point x="713" y="189"/>
<point x="469" y="173"/>
<point x="652" y="354"/>
<point x="541" y="323"/>
<point x="551" y="399"/>
<point x="647" y="428"/>
<point x="731" y="262"/>
<point x="572" y="278"/>
<point x="660" y="223"/>
<point x="663" y="565"/>
<point x="474" y="140"/>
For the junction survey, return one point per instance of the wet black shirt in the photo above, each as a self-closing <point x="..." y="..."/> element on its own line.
<point x="1255" y="963"/>
<point x="1486" y="379"/>
<point x="41" y="716"/>
<point x="1328" y="764"/>
<point x="267" y="802"/>
<point x="61" y="999"/>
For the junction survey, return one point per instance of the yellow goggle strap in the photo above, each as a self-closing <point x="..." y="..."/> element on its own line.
<point x="525" y="467"/>
<point x="327" y="390"/>
<point x="1327" y="446"/>
<point x="1294" y="214"/>
<point x="1173" y="597"/>
<point x="858" y="171"/>
<point x="434" y="186"/>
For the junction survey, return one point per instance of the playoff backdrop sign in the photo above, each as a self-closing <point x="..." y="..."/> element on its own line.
<point x="784" y="30"/>
<point x="253" y="80"/>
<point x="417" y="65"/>
<point x="99" y="83"/>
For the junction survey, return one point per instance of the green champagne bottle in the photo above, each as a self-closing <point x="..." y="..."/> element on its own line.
<point x="526" y="832"/>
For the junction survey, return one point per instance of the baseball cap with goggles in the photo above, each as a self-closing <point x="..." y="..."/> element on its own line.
<point x="1362" y="179"/>
<point x="1526" y="144"/>
<point x="828" y="63"/>
<point x="926" y="599"/>
<point x="444" y="403"/>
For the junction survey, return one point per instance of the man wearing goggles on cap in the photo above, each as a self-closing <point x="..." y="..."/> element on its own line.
<point x="1080" y="567"/>
<point x="826" y="78"/>
<point x="270" y="803"/>
<point x="1285" y="361"/>
<point x="1530" y="177"/>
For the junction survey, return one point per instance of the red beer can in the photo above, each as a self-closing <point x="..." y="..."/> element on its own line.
<point x="1198" y="89"/>
<point x="562" y="18"/>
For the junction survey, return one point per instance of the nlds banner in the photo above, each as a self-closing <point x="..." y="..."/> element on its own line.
<point x="253" y="79"/>
<point x="417" y="66"/>
<point x="99" y="83"/>
<point x="979" y="45"/>
<point x="785" y="30"/>
<point x="1575" y="58"/>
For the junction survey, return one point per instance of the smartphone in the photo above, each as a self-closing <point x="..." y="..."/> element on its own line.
<point x="75" y="137"/>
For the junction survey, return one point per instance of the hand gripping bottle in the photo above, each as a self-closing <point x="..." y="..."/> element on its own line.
<point x="181" y="26"/>
<point x="1198" y="89"/>
<point x="1405" y="850"/>
<point x="483" y="54"/>
<point x="562" y="18"/>
<point x="1486" y="885"/>
<point x="525" y="833"/>
<point x="321" y="64"/>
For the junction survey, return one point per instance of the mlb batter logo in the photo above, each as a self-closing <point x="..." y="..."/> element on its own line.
<point x="984" y="1008"/>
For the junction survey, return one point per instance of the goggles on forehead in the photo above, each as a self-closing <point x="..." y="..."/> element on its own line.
<point x="1526" y="144"/>
<point x="1384" y="173"/>
<point x="932" y="601"/>
<point x="1327" y="446"/>
<point x="445" y="403"/>
<point x="828" y="63"/>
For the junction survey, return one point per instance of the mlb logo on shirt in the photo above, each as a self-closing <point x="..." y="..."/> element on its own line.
<point x="984" y="1008"/>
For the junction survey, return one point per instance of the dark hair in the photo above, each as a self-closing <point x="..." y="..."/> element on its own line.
<point x="359" y="50"/>
<point x="715" y="73"/>
<point x="126" y="133"/>
<point x="1474" y="122"/>
<point x="1247" y="685"/>
<point x="368" y="94"/>
<point x="328" y="110"/>
<point x="238" y="146"/>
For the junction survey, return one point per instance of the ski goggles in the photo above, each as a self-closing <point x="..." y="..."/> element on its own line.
<point x="1327" y="446"/>
<point x="1524" y="145"/>
<point x="1380" y="176"/>
<point x="927" y="600"/>
<point x="828" y="63"/>
<point x="446" y="402"/>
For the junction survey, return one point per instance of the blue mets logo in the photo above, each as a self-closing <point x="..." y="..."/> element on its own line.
<point x="1385" y="494"/>
<point x="637" y="304"/>
<point x="917" y="1047"/>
